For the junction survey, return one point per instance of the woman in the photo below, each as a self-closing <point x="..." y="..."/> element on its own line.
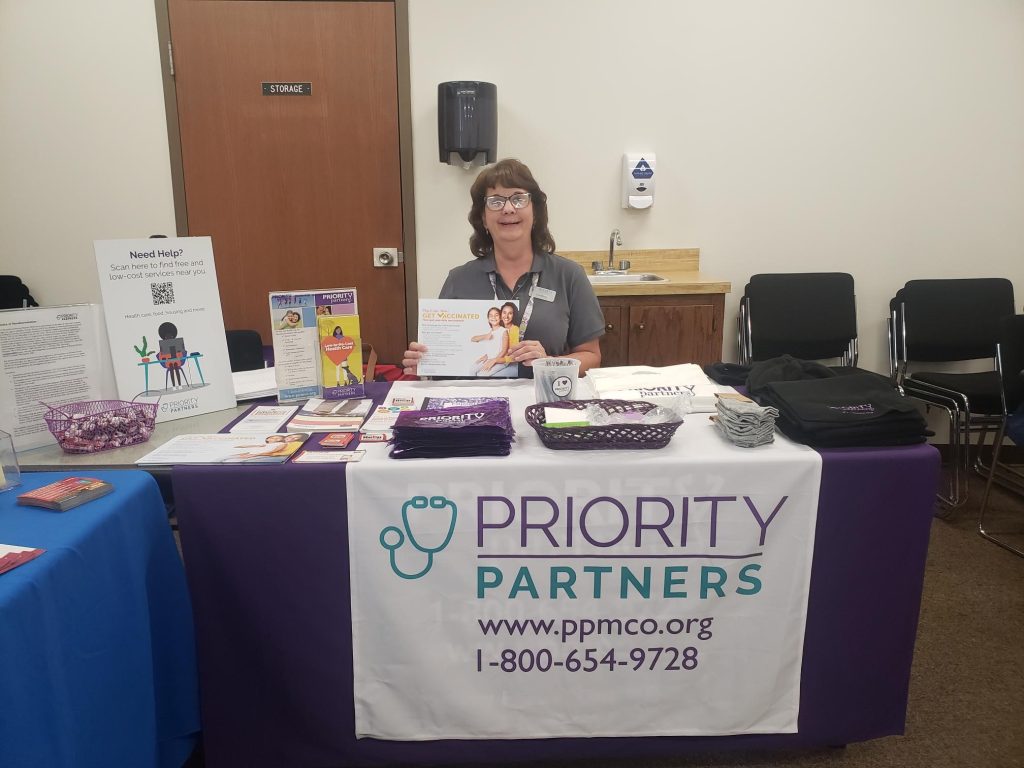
<point x="290" y="319"/>
<point x="274" y="445"/>
<point x="508" y="322"/>
<point x="492" y="361"/>
<point x="515" y="260"/>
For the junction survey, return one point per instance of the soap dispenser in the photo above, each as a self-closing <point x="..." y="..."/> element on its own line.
<point x="638" y="180"/>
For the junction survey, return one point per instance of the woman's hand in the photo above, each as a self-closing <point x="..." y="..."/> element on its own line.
<point x="527" y="351"/>
<point x="411" y="358"/>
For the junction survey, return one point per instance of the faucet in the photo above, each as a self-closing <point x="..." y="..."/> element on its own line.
<point x="600" y="268"/>
<point x="613" y="240"/>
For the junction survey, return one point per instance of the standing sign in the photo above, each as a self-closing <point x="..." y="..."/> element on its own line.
<point x="164" y="323"/>
<point x="608" y="593"/>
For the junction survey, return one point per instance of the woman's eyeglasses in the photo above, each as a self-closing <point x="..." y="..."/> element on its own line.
<point x="497" y="202"/>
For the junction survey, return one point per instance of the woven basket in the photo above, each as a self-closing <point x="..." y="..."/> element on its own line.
<point x="99" y="425"/>
<point x="611" y="436"/>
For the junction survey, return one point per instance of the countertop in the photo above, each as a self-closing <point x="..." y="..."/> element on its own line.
<point x="681" y="267"/>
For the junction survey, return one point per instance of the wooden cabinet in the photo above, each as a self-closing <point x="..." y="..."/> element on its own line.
<point x="662" y="330"/>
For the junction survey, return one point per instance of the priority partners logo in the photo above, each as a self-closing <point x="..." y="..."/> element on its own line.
<point x="427" y="527"/>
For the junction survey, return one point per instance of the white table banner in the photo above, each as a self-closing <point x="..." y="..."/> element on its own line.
<point x="580" y="593"/>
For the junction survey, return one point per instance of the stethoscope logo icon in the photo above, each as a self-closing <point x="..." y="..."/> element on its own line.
<point x="415" y="512"/>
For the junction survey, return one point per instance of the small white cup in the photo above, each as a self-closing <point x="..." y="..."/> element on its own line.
<point x="555" y="378"/>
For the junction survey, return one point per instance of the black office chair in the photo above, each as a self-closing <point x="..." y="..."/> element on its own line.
<point x="14" y="293"/>
<point x="245" y="350"/>
<point x="1010" y="361"/>
<point x="809" y="315"/>
<point x="951" y="321"/>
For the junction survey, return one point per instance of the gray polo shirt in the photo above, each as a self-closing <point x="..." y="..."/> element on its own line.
<point x="572" y="317"/>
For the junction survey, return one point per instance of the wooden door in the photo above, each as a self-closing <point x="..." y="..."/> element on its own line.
<point x="296" y="189"/>
<point x="668" y="335"/>
<point x="614" y="351"/>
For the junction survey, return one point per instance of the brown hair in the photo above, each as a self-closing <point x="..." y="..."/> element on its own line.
<point x="508" y="173"/>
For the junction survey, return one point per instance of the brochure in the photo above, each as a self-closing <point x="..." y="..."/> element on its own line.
<point x="293" y="320"/>
<point x="341" y="356"/>
<point x="329" y="457"/>
<point x="468" y="337"/>
<point x="11" y="556"/>
<point x="274" y="448"/>
<point x="65" y="494"/>
<point x="164" y="323"/>
<point x="377" y="428"/>
<point x="337" y="439"/>
<point x="264" y="418"/>
<point x="319" y="415"/>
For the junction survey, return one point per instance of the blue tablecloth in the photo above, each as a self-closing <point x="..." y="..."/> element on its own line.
<point x="97" y="649"/>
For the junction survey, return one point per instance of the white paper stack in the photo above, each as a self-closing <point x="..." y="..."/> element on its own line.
<point x="252" y="385"/>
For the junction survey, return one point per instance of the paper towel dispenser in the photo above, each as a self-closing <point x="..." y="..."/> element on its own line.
<point x="467" y="122"/>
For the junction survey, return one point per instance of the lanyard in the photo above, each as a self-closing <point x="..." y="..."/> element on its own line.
<point x="529" y="305"/>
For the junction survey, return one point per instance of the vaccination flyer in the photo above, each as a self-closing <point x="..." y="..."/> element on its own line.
<point x="468" y="337"/>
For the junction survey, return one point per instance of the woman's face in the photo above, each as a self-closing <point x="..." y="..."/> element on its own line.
<point x="494" y="317"/>
<point x="507" y="314"/>
<point x="275" y="438"/>
<point x="292" y="317"/>
<point x="337" y="331"/>
<point x="508" y="226"/>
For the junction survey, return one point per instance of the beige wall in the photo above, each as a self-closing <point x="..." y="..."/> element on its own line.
<point x="883" y="138"/>
<point x="83" y="139"/>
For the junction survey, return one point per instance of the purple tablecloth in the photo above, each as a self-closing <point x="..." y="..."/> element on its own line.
<point x="266" y="553"/>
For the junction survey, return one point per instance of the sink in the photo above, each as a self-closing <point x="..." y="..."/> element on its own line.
<point x="635" y="277"/>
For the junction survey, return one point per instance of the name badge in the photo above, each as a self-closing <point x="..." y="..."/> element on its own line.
<point x="544" y="294"/>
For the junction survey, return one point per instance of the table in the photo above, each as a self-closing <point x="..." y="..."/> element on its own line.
<point x="194" y="357"/>
<point x="266" y="552"/>
<point x="97" y="650"/>
<point x="52" y="458"/>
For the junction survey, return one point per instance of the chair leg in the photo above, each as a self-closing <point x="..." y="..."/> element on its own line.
<point x="996" y="446"/>
<point x="1005" y="475"/>
<point x="959" y="449"/>
<point x="957" y="493"/>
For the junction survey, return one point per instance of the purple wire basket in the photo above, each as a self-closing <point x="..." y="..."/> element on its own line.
<point x="608" y="437"/>
<point x="100" y="425"/>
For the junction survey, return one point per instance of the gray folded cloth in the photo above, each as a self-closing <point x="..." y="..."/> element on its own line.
<point x="745" y="408"/>
<point x="745" y="424"/>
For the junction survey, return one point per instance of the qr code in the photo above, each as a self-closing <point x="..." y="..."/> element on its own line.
<point x="163" y="293"/>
